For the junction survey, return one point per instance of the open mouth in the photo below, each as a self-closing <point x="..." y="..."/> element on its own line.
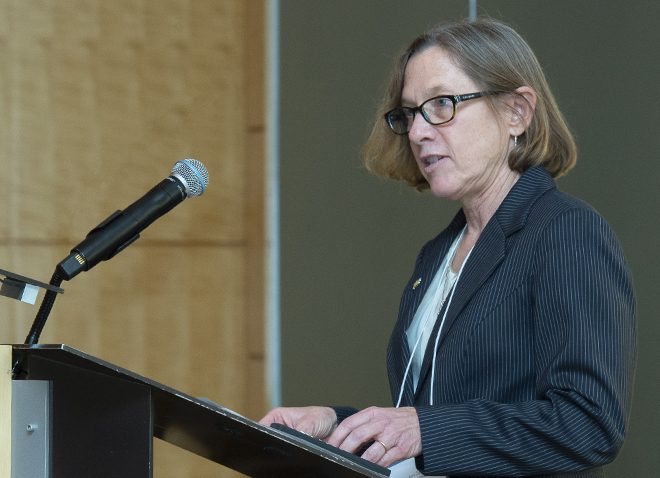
<point x="432" y="159"/>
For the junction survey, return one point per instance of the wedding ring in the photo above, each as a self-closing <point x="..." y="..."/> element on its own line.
<point x="384" y="445"/>
<point x="305" y="433"/>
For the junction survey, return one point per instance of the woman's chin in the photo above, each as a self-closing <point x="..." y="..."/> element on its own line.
<point x="445" y="191"/>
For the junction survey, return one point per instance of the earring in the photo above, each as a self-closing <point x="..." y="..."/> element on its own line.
<point x="515" y="141"/>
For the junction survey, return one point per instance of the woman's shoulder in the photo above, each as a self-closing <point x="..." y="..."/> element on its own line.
<point x="559" y="218"/>
<point x="538" y="209"/>
<point x="556" y="204"/>
<point x="551" y="203"/>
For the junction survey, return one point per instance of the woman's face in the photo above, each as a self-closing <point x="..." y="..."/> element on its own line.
<point x="463" y="158"/>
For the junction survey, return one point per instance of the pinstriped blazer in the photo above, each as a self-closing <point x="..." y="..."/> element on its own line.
<point x="534" y="364"/>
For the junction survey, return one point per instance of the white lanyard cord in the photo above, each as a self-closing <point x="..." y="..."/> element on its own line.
<point x="405" y="375"/>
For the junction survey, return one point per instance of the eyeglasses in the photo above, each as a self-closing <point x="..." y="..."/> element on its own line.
<point x="436" y="110"/>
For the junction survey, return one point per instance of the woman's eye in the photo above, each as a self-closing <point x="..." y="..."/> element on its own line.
<point x="442" y="102"/>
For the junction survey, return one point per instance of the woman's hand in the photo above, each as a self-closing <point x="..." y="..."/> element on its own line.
<point x="396" y="431"/>
<point x="318" y="422"/>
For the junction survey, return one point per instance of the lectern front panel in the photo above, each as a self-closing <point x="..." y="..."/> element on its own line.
<point x="101" y="426"/>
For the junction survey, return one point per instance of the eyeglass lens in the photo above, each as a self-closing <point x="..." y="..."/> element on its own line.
<point x="435" y="110"/>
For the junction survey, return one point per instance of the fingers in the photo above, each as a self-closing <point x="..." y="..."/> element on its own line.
<point x="356" y="430"/>
<point x="269" y="418"/>
<point x="318" y="422"/>
<point x="382" y="454"/>
<point x="279" y="415"/>
<point x="395" y="431"/>
<point x="363" y="427"/>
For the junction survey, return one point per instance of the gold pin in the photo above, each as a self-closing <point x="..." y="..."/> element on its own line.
<point x="417" y="282"/>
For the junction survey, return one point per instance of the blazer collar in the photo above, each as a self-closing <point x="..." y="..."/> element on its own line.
<point x="514" y="210"/>
<point x="489" y="251"/>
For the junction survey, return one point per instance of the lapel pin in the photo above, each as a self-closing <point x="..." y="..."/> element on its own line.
<point x="417" y="282"/>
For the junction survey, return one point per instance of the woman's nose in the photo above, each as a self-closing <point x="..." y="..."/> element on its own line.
<point x="420" y="129"/>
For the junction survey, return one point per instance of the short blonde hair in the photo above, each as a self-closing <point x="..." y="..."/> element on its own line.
<point x="496" y="58"/>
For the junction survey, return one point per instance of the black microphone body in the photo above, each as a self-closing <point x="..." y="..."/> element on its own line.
<point x="122" y="228"/>
<point x="189" y="178"/>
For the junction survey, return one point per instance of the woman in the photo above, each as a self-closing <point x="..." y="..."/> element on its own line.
<point x="514" y="348"/>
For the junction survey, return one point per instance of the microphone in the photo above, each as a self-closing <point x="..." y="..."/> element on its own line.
<point x="189" y="178"/>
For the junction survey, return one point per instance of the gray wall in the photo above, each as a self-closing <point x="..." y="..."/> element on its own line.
<point x="349" y="240"/>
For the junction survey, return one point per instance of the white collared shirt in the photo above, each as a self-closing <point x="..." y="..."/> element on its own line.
<point x="420" y="329"/>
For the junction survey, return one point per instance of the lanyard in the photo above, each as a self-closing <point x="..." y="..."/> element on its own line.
<point x="435" y="348"/>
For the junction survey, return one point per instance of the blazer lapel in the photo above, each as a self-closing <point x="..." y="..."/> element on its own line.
<point x="483" y="261"/>
<point x="488" y="253"/>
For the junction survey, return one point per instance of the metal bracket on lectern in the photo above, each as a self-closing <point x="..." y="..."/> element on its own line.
<point x="23" y="288"/>
<point x="31" y="410"/>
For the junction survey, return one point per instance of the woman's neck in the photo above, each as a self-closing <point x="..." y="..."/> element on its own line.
<point x="480" y="210"/>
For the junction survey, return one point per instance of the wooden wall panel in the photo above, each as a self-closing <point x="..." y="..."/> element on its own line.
<point x="254" y="205"/>
<point x="98" y="100"/>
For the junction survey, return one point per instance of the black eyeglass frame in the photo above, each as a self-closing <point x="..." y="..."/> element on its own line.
<point x="455" y="100"/>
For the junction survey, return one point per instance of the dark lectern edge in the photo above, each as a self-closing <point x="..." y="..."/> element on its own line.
<point x="127" y="374"/>
<point x="103" y="366"/>
<point x="294" y="437"/>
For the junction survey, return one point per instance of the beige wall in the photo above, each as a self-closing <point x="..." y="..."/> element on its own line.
<point x="98" y="100"/>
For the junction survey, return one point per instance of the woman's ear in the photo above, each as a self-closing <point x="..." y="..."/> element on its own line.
<point x="522" y="108"/>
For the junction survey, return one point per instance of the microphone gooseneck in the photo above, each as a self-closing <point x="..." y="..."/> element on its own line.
<point x="44" y="311"/>
<point x="189" y="178"/>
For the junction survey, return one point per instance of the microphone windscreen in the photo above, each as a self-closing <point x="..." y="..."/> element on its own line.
<point x="194" y="175"/>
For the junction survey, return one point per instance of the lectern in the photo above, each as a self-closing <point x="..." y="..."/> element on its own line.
<point x="66" y="414"/>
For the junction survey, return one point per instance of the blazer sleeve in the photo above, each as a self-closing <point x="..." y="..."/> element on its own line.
<point x="583" y="313"/>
